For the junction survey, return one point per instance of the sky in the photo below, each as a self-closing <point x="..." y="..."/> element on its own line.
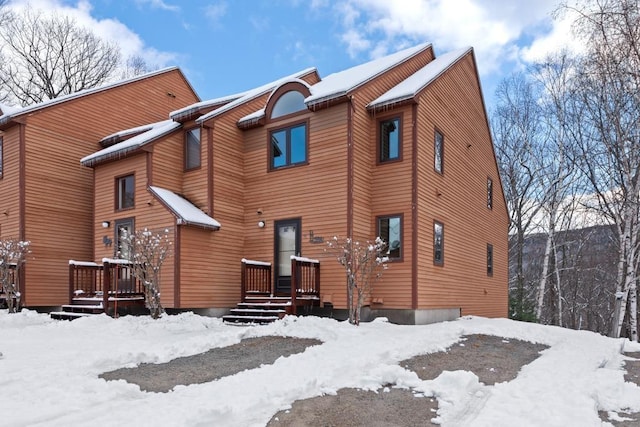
<point x="57" y="364"/>
<point x="229" y="46"/>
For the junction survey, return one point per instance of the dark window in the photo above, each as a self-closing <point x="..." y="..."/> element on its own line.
<point x="389" y="140"/>
<point x="125" y="192"/>
<point x="489" y="260"/>
<point x="438" y="243"/>
<point x="390" y="230"/>
<point x="438" y="152"/>
<point x="1" y="158"/>
<point x="192" y="149"/>
<point x="288" y="146"/>
<point x="489" y="193"/>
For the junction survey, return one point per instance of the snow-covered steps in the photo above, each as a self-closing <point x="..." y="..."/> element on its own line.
<point x="259" y="310"/>
<point x="68" y="315"/>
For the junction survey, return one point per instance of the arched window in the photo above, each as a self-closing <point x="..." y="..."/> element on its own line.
<point x="290" y="102"/>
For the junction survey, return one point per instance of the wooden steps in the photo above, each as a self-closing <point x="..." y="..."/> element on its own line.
<point x="84" y="306"/>
<point x="259" y="310"/>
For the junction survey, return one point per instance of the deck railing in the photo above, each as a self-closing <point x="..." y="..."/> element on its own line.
<point x="113" y="279"/>
<point x="305" y="279"/>
<point x="255" y="278"/>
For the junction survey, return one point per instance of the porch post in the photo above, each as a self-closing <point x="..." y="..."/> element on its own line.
<point x="106" y="285"/>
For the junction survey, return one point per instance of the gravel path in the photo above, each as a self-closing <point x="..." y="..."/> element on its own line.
<point x="211" y="365"/>
<point x="492" y="359"/>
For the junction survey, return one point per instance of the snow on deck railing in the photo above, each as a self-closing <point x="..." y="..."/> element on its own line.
<point x="83" y="263"/>
<point x="303" y="259"/>
<point x="253" y="262"/>
<point x="116" y="261"/>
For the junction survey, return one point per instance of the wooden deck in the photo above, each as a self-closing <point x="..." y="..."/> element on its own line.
<point x="108" y="288"/>
<point x="261" y="304"/>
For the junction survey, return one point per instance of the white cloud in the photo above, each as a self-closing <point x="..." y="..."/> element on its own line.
<point x="499" y="31"/>
<point x="159" y="4"/>
<point x="111" y="30"/>
<point x="215" y="12"/>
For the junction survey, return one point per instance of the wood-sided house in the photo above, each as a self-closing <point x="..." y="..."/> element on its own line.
<point x="46" y="196"/>
<point x="398" y="147"/>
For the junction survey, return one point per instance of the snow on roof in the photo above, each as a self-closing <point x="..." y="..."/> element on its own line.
<point x="340" y="83"/>
<point x="204" y="104"/>
<point x="254" y="93"/>
<point x="8" y="109"/>
<point x="8" y="116"/>
<point x="412" y="85"/>
<point x="255" y="116"/>
<point x="127" y="132"/>
<point x="155" y="131"/>
<point x="185" y="211"/>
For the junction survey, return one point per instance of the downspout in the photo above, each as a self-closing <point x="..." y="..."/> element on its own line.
<point x="350" y="108"/>
<point x="22" y="231"/>
<point x="176" y="262"/>
<point x="414" y="206"/>
<point x="209" y="169"/>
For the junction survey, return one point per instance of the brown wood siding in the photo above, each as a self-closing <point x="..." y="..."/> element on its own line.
<point x="457" y="199"/>
<point x="9" y="184"/>
<point x="168" y="162"/>
<point x="199" y="288"/>
<point x="315" y="192"/>
<point x="59" y="191"/>
<point x="391" y="194"/>
<point x="195" y="182"/>
<point x="148" y="212"/>
<point x="384" y="189"/>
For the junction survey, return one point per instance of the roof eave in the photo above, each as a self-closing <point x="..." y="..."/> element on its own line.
<point x="181" y="221"/>
<point x="393" y="103"/>
<point x="328" y="101"/>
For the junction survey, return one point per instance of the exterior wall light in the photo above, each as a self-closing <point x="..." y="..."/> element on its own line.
<point x="105" y="224"/>
<point x="261" y="224"/>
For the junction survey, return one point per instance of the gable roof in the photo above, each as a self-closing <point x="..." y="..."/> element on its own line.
<point x="341" y="83"/>
<point x="190" y="110"/>
<point x="254" y="93"/>
<point x="18" y="111"/>
<point x="186" y="212"/>
<point x="151" y="133"/>
<point x="411" y="86"/>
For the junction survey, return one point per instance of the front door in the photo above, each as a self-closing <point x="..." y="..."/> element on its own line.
<point x="287" y="243"/>
<point x="122" y="276"/>
<point x="123" y="229"/>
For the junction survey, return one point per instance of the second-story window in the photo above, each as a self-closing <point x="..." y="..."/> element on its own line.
<point x="288" y="146"/>
<point x="192" y="149"/>
<point x="389" y="140"/>
<point x="438" y="152"/>
<point x="489" y="193"/>
<point x="125" y="191"/>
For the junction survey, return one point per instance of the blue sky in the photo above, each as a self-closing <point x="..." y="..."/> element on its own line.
<point x="226" y="46"/>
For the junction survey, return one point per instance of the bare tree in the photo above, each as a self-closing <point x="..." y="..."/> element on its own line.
<point x="147" y="251"/>
<point x="558" y="177"/>
<point x="46" y="56"/>
<point x="135" y="65"/>
<point x="609" y="87"/>
<point x="13" y="254"/>
<point x="363" y="264"/>
<point x="516" y="126"/>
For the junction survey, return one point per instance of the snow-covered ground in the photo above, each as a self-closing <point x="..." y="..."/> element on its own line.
<point x="49" y="371"/>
